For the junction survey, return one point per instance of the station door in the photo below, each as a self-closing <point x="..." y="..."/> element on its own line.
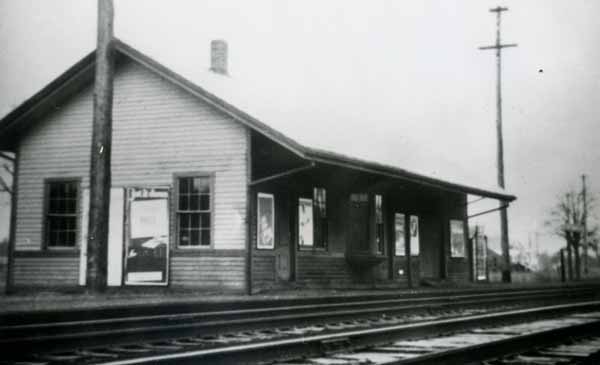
<point x="359" y="222"/>
<point x="432" y="247"/>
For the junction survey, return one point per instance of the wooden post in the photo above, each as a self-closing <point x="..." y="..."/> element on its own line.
<point x="562" y="265"/>
<point x="100" y="178"/>
<point x="407" y="249"/>
<point x="569" y="261"/>
<point x="577" y="256"/>
<point x="585" y="230"/>
<point x="250" y="209"/>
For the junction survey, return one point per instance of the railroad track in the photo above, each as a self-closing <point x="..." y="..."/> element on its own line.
<point x="470" y="339"/>
<point x="132" y="337"/>
<point x="540" y="342"/>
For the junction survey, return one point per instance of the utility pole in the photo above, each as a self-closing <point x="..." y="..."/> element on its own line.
<point x="500" y="146"/>
<point x="585" y="232"/>
<point x="100" y="178"/>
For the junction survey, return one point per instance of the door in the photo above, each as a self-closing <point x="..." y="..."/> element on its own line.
<point x="359" y="222"/>
<point x="431" y="247"/>
<point x="479" y="249"/>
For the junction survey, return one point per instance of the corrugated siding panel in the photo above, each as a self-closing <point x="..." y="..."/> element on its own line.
<point x="208" y="272"/>
<point x="158" y="130"/>
<point x="46" y="271"/>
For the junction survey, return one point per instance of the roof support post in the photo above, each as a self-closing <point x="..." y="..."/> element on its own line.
<point x="506" y="276"/>
<point x="100" y="176"/>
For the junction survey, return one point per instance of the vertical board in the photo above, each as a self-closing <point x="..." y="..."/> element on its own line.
<point x="115" y="237"/>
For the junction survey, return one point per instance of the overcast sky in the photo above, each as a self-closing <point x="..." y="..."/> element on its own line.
<point x="400" y="82"/>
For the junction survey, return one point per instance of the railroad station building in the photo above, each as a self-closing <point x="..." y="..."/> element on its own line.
<point x="205" y="195"/>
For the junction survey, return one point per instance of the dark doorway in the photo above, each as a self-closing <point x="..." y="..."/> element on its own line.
<point x="431" y="247"/>
<point x="359" y="222"/>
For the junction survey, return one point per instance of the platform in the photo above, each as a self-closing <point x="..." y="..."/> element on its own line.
<point x="25" y="302"/>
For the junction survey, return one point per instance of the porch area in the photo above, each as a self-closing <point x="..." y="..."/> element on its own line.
<point x="324" y="225"/>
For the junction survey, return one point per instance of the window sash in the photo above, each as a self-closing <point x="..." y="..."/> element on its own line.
<point x="61" y="216"/>
<point x="198" y="231"/>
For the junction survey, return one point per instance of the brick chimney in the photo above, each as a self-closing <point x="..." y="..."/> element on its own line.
<point x="218" y="56"/>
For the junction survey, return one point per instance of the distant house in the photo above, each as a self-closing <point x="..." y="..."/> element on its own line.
<point x="495" y="263"/>
<point x="214" y="197"/>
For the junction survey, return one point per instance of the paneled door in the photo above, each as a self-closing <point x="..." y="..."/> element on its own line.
<point x="359" y="222"/>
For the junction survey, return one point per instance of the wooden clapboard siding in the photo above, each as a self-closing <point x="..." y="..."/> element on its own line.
<point x="158" y="130"/>
<point x="46" y="271"/>
<point x="214" y="272"/>
<point x="323" y="270"/>
<point x="57" y="147"/>
<point x="458" y="269"/>
<point x="263" y="271"/>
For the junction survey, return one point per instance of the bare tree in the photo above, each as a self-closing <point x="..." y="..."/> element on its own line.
<point x="567" y="217"/>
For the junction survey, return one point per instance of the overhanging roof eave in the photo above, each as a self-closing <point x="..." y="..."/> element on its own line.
<point x="389" y="171"/>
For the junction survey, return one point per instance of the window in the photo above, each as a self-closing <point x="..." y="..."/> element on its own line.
<point x="415" y="241"/>
<point x="400" y="234"/>
<point x="61" y="213"/>
<point x="457" y="238"/>
<point x="320" y="210"/>
<point x="379" y="223"/>
<point x="193" y="212"/>
<point x="266" y="221"/>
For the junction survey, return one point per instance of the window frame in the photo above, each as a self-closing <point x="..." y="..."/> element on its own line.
<point x="175" y="210"/>
<point x="46" y="207"/>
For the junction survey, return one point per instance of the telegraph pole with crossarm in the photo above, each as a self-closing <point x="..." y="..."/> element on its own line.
<point x="500" y="147"/>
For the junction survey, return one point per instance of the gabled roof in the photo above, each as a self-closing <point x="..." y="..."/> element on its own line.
<point x="81" y="75"/>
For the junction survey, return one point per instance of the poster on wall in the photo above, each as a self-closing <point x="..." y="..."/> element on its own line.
<point x="457" y="239"/>
<point x="415" y="242"/>
<point x="147" y="246"/>
<point x="266" y="222"/>
<point x="480" y="253"/>
<point x="305" y="222"/>
<point x="400" y="245"/>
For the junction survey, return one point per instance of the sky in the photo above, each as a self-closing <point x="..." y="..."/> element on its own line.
<point x="401" y="82"/>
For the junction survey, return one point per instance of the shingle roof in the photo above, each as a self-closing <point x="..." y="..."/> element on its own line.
<point x="81" y="74"/>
